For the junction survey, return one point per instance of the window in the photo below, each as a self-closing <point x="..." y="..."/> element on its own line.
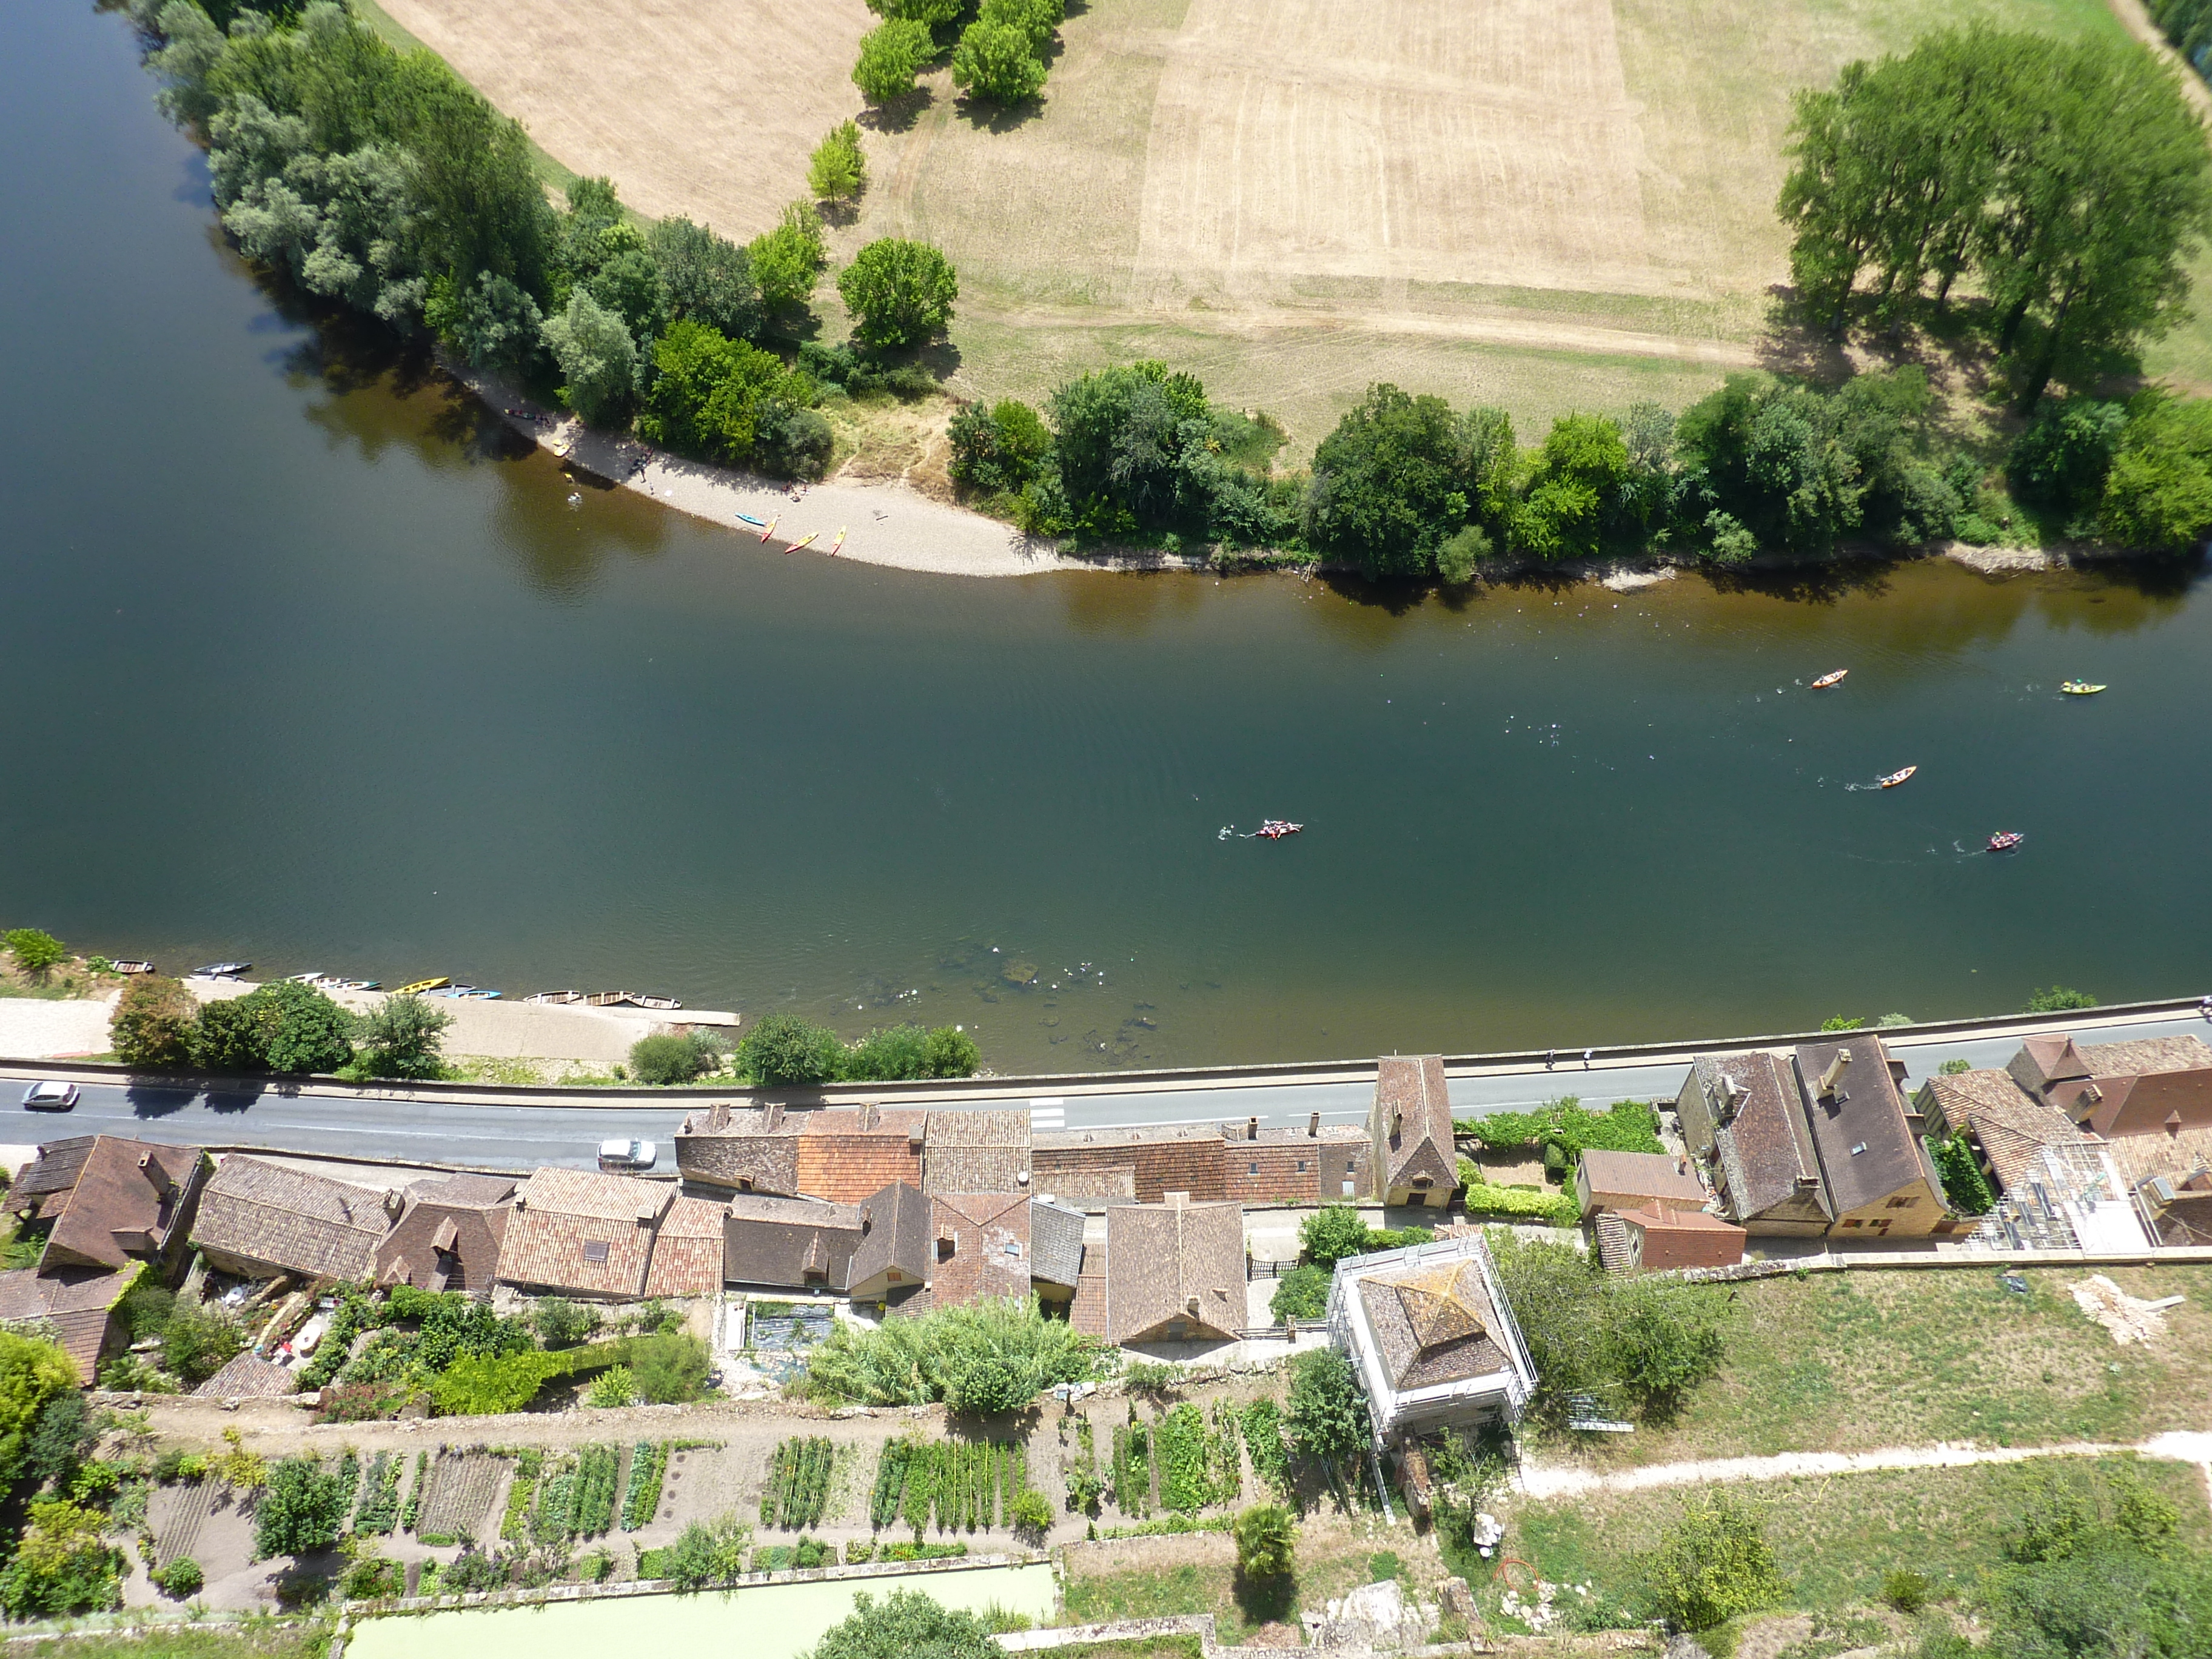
<point x="1856" y="1150"/>
<point x="1302" y="1166"/>
<point x="1903" y="1203"/>
<point x="1422" y="1183"/>
<point x="944" y="1249"/>
<point x="595" y="1250"/>
<point x="1347" y="1188"/>
<point x="1350" y="1167"/>
<point x="1255" y="1169"/>
<point x="1854" y="1224"/>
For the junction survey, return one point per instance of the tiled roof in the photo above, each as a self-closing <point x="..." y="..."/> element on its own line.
<point x="2012" y="1125"/>
<point x="577" y="1231"/>
<point x="1434" y="1322"/>
<point x="975" y="1152"/>
<point x="1161" y="1258"/>
<point x="1411" y="1122"/>
<point x="1645" y="1175"/>
<point x="247" y="1377"/>
<point x="480" y="1191"/>
<point x="743" y="1148"/>
<point x="1143" y="1164"/>
<point x="448" y="1238"/>
<point x="76" y="1302"/>
<point x="896" y="1239"/>
<point x="2147" y="1056"/>
<point x="1764" y="1151"/>
<point x="989" y="1237"/>
<point x="1867" y="1149"/>
<point x="274" y="1216"/>
<point x="127" y="1201"/>
<point x="790" y="1243"/>
<point x="845" y="1154"/>
<point x="687" y="1252"/>
<point x="1055" y="1243"/>
<point x="54" y="1170"/>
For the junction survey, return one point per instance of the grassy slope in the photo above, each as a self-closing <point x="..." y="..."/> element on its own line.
<point x="1849" y="1362"/>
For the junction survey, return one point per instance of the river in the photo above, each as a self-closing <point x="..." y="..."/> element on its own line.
<point x="310" y="665"/>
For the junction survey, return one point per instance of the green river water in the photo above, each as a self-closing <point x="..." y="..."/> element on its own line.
<point x="310" y="665"/>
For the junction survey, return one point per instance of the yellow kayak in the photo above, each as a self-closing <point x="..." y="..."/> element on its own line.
<point x="2080" y="689"/>
<point x="423" y="985"/>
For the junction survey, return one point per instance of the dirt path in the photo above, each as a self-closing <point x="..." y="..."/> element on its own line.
<point x="1535" y="1481"/>
<point x="2137" y="20"/>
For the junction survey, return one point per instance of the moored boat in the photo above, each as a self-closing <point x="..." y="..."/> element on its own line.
<point x="222" y="970"/>
<point x="1897" y="777"/>
<point x="1276" y="828"/>
<point x="555" y="998"/>
<point x="420" y="986"/>
<point x="661" y="1003"/>
<point x="1833" y="677"/>
<point x="2079" y="687"/>
<point x="2005" y="840"/>
<point x="131" y="965"/>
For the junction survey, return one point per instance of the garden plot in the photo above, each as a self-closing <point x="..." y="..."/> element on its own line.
<point x="464" y="1486"/>
<point x="177" y="1515"/>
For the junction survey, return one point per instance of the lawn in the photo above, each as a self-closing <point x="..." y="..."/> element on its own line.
<point x="1847" y="1362"/>
<point x="257" y="1639"/>
<point x="1206" y="1587"/>
<point x="1834" y="1537"/>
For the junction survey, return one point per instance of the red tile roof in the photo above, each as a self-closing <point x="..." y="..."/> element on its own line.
<point x="582" y="1232"/>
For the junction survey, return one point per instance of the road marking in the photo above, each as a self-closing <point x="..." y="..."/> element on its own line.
<point x="1048" y="1114"/>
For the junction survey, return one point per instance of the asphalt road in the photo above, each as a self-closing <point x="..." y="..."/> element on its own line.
<point x="519" y="1137"/>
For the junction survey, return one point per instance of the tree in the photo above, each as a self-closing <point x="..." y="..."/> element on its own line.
<point x="597" y="356"/>
<point x="302" y="1029"/>
<point x="1575" y="490"/>
<point x="300" y="1510"/>
<point x="1712" y="1565"/>
<point x="1266" y="1542"/>
<point x="2058" y="999"/>
<point x="783" y="1051"/>
<point x="837" y="169"/>
<point x="996" y="63"/>
<point x="904" y="1624"/>
<point x="59" y="1441"/>
<point x="709" y="277"/>
<point x="711" y="396"/>
<point x="665" y="1057"/>
<point x="228" y="1038"/>
<point x="404" y="1038"/>
<point x="912" y="1362"/>
<point x="708" y="1552"/>
<point x="1331" y="1233"/>
<point x="1662" y="1340"/>
<point x="999" y="447"/>
<point x="671" y="1371"/>
<point x="62" y="1563"/>
<point x="197" y="1342"/>
<point x="37" y="953"/>
<point x="490" y="324"/>
<point x="891" y="55"/>
<point x="950" y="1051"/>
<point x="1402" y="475"/>
<point x="628" y="283"/>
<point x="2062" y="458"/>
<point x="152" y="1025"/>
<point x="1302" y="1293"/>
<point x="1124" y="437"/>
<point x="899" y="292"/>
<point x="788" y="259"/>
<point x="1037" y="18"/>
<point x="1326" y="1416"/>
<point x="2157" y="495"/>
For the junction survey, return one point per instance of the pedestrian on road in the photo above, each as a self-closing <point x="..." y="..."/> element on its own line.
<point x="1587" y="1052"/>
<point x="1551" y="1055"/>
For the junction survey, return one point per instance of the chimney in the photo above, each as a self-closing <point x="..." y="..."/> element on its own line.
<point x="772" y="1116"/>
<point x="156" y="1176"/>
<point x="1251" y="1128"/>
<point x="1829" y="1078"/>
<point x="718" y="1117"/>
<point x="394" y="1202"/>
<point x="871" y="1116"/>
<point x="1313" y="1126"/>
<point x="1190" y="1306"/>
<point x="1397" y="1123"/>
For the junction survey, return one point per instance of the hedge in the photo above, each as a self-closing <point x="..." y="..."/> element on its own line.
<point x="1627" y="1126"/>
<point x="1518" y="1203"/>
<point x="477" y="1385"/>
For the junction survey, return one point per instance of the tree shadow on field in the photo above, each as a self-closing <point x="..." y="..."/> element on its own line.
<point x="900" y="114"/>
<point x="987" y="117"/>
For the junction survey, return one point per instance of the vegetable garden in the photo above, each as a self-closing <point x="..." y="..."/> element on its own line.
<point x="797" y="1486"/>
<point x="965" y="1484"/>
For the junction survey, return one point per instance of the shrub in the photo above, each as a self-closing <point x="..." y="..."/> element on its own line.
<point x="370" y="1578"/>
<point x="787" y="260"/>
<point x="671" y="1369"/>
<point x="1713" y="1565"/>
<point x="665" y="1057"/>
<point x="994" y="61"/>
<point x="708" y="1553"/>
<point x="1302" y="1293"/>
<point x="1905" y="1589"/>
<point x="998" y="448"/>
<point x="300" y="1509"/>
<point x="891" y="55"/>
<point x="152" y="1025"/>
<point x="404" y="1038"/>
<point x="1332" y="1233"/>
<point x="1035" y="19"/>
<point x="37" y="952"/>
<point x="1327" y="1416"/>
<point x="1266" y="1542"/>
<point x="62" y="1563"/>
<point x="1964" y="1183"/>
<point x="198" y="1342"/>
<point x="561" y="1323"/>
<point x="615" y="1386"/>
<point x="1558" y="1209"/>
<point x="925" y="1359"/>
<point x="899" y="292"/>
<point x="181" y="1578"/>
<point x="783" y="1051"/>
<point x="906" y="1623"/>
<point x="2057" y="999"/>
<point x="1030" y="1514"/>
<point x="837" y="168"/>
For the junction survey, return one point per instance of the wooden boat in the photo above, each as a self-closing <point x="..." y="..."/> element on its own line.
<point x="2080" y="689"/>
<point x="1834" y="677"/>
<point x="611" y="1000"/>
<point x="555" y="997"/>
<point x="2005" y="840"/>
<point x="131" y="965"/>
<point x="222" y="970"/>
<point x="662" y="1003"/>
<point x="421" y="985"/>
<point x="1276" y="828"/>
<point x="1898" y="777"/>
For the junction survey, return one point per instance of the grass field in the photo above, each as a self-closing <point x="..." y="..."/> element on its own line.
<point x="1850" y="1362"/>
<point x="1835" y="1538"/>
<point x="1553" y="204"/>
<point x="1201" y="1587"/>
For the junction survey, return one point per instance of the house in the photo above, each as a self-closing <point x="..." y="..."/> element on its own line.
<point x="77" y="1304"/>
<point x="1174" y="1272"/>
<point x="890" y="1263"/>
<point x="1654" y="1238"/>
<point x="1312" y="1165"/>
<point x="979" y="1247"/>
<point x="2006" y="1126"/>
<point x="794" y="1243"/>
<point x="688" y="1248"/>
<point x="975" y="1152"/>
<point x="1742" y="1115"/>
<point x="1055" y="1250"/>
<point x="740" y="1149"/>
<point x="575" y="1233"/>
<point x="1430" y="1333"/>
<point x="130" y="1201"/>
<point x="2152" y="1086"/>
<point x="839" y="1153"/>
<point x="1880" y="1178"/>
<point x="50" y="1175"/>
<point x="1106" y="1166"/>
<point x="257" y="1220"/>
<point x="1410" y="1129"/>
<point x="448" y="1234"/>
<point x="1631" y="1180"/>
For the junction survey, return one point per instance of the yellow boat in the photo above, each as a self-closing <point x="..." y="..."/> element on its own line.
<point x="423" y="985"/>
<point x="2080" y="689"/>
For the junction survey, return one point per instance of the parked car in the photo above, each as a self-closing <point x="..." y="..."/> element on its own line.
<point x="50" y="1096"/>
<point x="628" y="1154"/>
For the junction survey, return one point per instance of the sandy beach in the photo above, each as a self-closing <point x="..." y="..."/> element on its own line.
<point x="884" y="524"/>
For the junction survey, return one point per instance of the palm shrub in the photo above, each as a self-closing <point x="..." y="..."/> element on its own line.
<point x="1266" y="1541"/>
<point x="911" y="1362"/>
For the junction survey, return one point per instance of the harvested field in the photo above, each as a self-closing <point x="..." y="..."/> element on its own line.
<point x="1554" y="204"/>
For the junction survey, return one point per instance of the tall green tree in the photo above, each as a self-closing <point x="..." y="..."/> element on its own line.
<point x="32" y="1372"/>
<point x="300" y="1510"/>
<point x="891" y="55"/>
<point x="996" y="62"/>
<point x="1326" y="1415"/>
<point x="900" y="293"/>
<point x="598" y="358"/>
<point x="404" y="1038"/>
<point x="710" y="278"/>
<point x="787" y="260"/>
<point x="1401" y="476"/>
<point x="837" y="169"/>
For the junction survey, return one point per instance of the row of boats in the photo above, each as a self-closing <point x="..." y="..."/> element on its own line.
<point x="2072" y="688"/>
<point x="767" y="528"/>
<point x="441" y="985"/>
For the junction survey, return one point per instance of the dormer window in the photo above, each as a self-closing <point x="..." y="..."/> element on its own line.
<point x="595" y="1250"/>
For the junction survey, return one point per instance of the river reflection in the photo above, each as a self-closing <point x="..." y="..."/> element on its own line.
<point x="313" y="663"/>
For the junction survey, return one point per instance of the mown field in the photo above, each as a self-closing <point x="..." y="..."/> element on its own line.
<point x="1553" y="204"/>
<point x="1850" y="1362"/>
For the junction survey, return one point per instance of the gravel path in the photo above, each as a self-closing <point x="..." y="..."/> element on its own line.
<point x="1536" y="1480"/>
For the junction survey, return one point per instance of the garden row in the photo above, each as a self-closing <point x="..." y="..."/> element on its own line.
<point x="965" y="1484"/>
